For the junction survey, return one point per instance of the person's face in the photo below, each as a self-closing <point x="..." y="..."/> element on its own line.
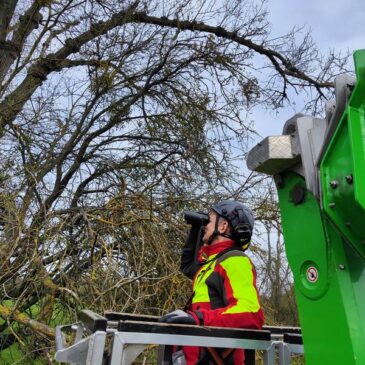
<point x="209" y="228"/>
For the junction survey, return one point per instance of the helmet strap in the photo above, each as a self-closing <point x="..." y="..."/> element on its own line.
<point x="215" y="232"/>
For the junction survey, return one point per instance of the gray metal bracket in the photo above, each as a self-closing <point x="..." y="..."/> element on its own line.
<point x="304" y="141"/>
<point x="88" y="351"/>
<point x="335" y="108"/>
<point x="123" y="352"/>
<point x="286" y="350"/>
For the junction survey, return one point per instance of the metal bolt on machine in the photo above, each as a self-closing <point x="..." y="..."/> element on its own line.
<point x="319" y="169"/>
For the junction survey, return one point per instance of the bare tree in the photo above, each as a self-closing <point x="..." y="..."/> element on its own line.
<point x="114" y="117"/>
<point x="275" y="277"/>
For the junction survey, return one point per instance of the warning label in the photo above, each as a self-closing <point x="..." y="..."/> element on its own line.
<point x="312" y="274"/>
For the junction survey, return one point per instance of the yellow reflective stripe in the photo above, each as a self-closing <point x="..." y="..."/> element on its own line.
<point x="239" y="271"/>
<point x="200" y="288"/>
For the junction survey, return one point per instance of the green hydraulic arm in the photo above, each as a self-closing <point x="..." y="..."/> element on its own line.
<point x="319" y="169"/>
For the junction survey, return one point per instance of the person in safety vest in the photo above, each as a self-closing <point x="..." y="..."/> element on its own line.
<point x="224" y="279"/>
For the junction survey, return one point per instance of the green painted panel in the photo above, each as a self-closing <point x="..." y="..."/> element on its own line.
<point x="325" y="241"/>
<point x="328" y="302"/>
<point x="342" y="170"/>
<point x="303" y="228"/>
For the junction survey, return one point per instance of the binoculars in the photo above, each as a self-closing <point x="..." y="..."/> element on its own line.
<point x="196" y="218"/>
<point x="198" y="221"/>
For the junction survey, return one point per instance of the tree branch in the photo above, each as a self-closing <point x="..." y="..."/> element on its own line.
<point x="27" y="23"/>
<point x="7" y="8"/>
<point x="40" y="70"/>
<point x="8" y="313"/>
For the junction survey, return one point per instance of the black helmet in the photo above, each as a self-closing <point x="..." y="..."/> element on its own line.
<point x="240" y="218"/>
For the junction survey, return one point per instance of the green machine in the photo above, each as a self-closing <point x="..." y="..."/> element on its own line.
<point x="319" y="169"/>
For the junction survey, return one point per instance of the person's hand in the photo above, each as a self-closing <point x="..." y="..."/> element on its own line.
<point x="178" y="316"/>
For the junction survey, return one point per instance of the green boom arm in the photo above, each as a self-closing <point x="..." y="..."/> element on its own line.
<point x="319" y="169"/>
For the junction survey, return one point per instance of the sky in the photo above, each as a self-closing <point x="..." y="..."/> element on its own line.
<point x="335" y="24"/>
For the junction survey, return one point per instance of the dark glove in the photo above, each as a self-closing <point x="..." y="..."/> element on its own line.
<point x="178" y="316"/>
<point x="188" y="264"/>
<point x="193" y="237"/>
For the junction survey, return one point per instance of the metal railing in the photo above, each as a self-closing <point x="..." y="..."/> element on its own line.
<point x="118" y="338"/>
